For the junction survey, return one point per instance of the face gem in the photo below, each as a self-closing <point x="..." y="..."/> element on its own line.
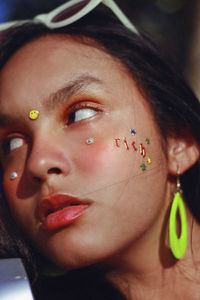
<point x="149" y="160"/>
<point x="33" y="114"/>
<point x="89" y="141"/>
<point x="133" y="132"/>
<point x="143" y="167"/>
<point x="147" y="140"/>
<point x="13" y="175"/>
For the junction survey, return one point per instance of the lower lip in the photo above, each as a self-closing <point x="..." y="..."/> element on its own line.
<point x="64" y="217"/>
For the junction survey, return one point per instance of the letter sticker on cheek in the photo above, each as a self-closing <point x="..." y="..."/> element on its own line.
<point x="117" y="142"/>
<point x="33" y="114"/>
<point x="142" y="150"/>
<point x="13" y="175"/>
<point x="126" y="144"/>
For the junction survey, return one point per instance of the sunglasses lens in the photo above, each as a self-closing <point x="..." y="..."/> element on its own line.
<point x="70" y="11"/>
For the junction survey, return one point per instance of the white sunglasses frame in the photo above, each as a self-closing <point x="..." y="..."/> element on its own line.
<point x="47" y="18"/>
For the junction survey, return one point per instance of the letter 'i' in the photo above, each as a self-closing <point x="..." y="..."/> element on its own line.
<point x="126" y="144"/>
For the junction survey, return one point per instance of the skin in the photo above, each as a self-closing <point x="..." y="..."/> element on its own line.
<point x="129" y="206"/>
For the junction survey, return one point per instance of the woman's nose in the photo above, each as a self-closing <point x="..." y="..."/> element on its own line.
<point x="47" y="158"/>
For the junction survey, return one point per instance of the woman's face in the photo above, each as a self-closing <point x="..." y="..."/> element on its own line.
<point x="79" y="202"/>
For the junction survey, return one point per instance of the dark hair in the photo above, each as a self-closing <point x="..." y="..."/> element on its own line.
<point x="175" y="108"/>
<point x="14" y="245"/>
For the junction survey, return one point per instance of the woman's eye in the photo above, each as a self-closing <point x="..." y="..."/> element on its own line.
<point x="81" y="114"/>
<point x="14" y="143"/>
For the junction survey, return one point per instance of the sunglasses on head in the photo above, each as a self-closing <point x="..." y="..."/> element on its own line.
<point x="70" y="12"/>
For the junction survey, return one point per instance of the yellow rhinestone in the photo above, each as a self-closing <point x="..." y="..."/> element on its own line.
<point x="33" y="114"/>
<point x="149" y="160"/>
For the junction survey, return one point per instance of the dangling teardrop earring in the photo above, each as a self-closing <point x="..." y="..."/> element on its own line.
<point x="178" y="245"/>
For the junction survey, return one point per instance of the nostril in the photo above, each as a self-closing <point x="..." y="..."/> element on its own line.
<point x="54" y="171"/>
<point x="37" y="179"/>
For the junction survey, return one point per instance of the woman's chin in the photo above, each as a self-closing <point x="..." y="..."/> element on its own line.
<point x="73" y="262"/>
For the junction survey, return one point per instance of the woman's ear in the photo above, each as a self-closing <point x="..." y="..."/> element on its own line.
<point x="183" y="153"/>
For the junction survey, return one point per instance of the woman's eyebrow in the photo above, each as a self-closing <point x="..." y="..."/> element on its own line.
<point x="7" y="120"/>
<point x="79" y="84"/>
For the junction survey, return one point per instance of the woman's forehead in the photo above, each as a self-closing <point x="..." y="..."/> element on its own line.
<point x="54" y="48"/>
<point x="48" y="63"/>
<point x="52" y="63"/>
<point x="57" y="55"/>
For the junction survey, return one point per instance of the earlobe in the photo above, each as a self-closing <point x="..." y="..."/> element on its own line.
<point x="182" y="155"/>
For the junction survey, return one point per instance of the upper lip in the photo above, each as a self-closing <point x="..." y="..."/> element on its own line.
<point x="58" y="201"/>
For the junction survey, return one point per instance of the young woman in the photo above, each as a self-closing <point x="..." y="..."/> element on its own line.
<point x="97" y="128"/>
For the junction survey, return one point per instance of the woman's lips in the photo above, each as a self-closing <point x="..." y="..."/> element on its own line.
<point x="60" y="210"/>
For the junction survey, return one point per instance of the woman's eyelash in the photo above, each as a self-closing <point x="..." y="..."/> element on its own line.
<point x="76" y="113"/>
<point x="81" y="112"/>
<point x="9" y="144"/>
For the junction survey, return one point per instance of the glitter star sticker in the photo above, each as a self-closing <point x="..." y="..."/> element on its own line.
<point x="143" y="167"/>
<point x="149" y="160"/>
<point x="133" y="132"/>
<point x="147" y="140"/>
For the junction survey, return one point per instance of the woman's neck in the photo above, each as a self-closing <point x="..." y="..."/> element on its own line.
<point x="154" y="273"/>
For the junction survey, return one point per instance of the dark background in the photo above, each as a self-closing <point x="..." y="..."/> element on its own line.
<point x="169" y="21"/>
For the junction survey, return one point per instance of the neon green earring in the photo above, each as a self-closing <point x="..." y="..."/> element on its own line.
<point x="178" y="245"/>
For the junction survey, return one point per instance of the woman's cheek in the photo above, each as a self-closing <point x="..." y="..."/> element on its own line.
<point x="103" y="160"/>
<point x="10" y="183"/>
<point x="19" y="208"/>
<point x="91" y="159"/>
<point x="12" y="173"/>
<point x="9" y="187"/>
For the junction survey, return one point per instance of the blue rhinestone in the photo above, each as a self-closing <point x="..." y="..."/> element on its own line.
<point x="13" y="175"/>
<point x="133" y="131"/>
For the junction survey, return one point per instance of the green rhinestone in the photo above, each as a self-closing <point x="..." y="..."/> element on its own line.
<point x="143" y="167"/>
<point x="147" y="141"/>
